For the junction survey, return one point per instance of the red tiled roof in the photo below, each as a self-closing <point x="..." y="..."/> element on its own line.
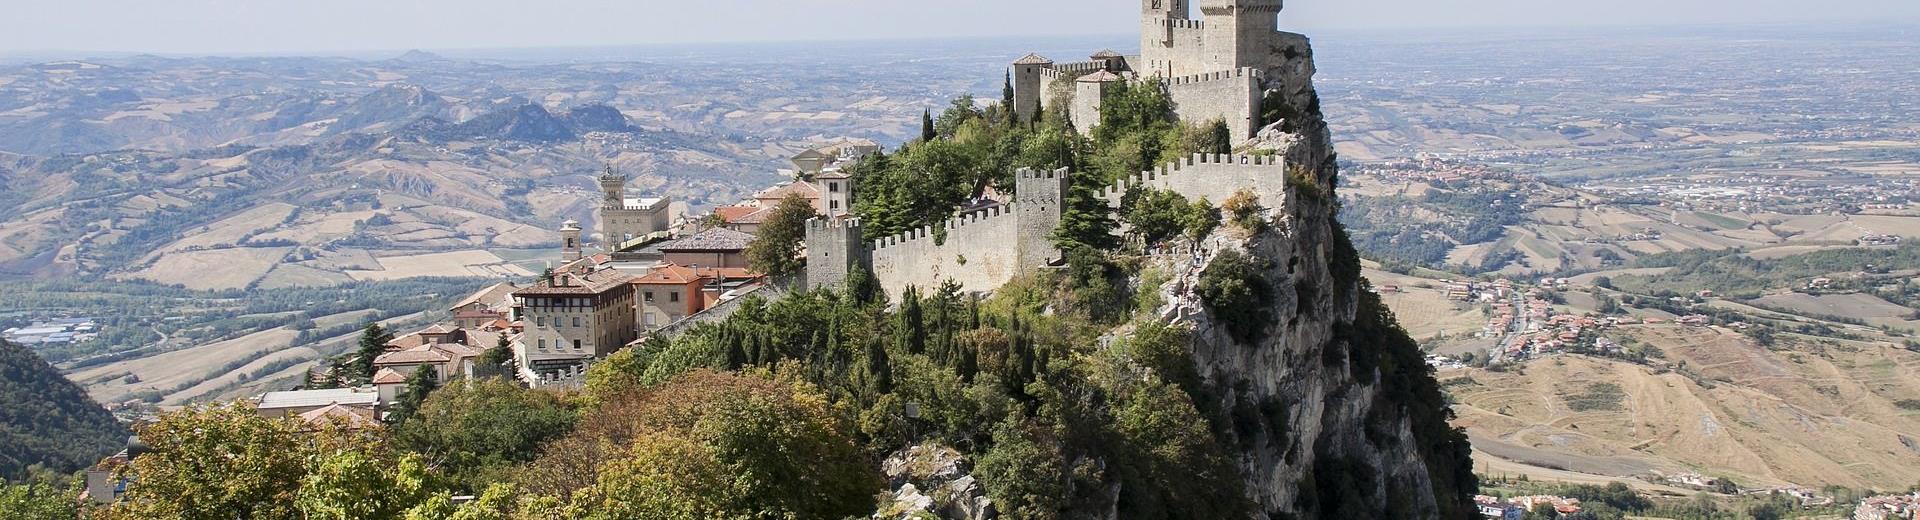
<point x="669" y="274"/>
<point x="388" y="376"/>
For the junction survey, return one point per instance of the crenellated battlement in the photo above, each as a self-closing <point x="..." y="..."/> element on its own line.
<point x="1211" y="176"/>
<point x="951" y="225"/>
<point x="1080" y="67"/>
<point x="1236" y="74"/>
<point x="1180" y="24"/>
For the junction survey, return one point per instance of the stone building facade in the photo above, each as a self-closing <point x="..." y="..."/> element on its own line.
<point x="626" y="219"/>
<point x="571" y="317"/>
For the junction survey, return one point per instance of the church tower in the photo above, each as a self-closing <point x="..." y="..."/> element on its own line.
<point x="570" y="247"/>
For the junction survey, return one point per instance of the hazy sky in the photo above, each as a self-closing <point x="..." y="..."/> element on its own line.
<point x="293" y="26"/>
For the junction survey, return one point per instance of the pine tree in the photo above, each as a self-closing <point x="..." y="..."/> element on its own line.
<point x="373" y="343"/>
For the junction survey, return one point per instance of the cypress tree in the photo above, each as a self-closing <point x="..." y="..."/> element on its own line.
<point x="910" y="332"/>
<point x="1006" y="98"/>
<point x="927" y="133"/>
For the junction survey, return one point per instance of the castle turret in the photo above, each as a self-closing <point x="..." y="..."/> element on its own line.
<point x="570" y="248"/>
<point x="835" y="247"/>
<point x="1088" y="92"/>
<point x="1240" y="33"/>
<point x="1039" y="197"/>
<point x="1028" y="85"/>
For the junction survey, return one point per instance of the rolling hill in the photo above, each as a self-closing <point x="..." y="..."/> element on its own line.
<point x="48" y="421"/>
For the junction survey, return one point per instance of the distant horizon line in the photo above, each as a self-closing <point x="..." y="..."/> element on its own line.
<point x="1432" y="31"/>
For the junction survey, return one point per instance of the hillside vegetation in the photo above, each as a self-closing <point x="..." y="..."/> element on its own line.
<point x="46" y="422"/>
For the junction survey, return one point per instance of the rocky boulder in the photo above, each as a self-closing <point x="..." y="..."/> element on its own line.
<point x="932" y="481"/>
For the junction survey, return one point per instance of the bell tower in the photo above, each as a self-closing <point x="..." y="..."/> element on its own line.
<point x="570" y="248"/>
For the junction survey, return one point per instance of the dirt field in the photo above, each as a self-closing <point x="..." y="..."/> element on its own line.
<point x="214" y="269"/>
<point x="1806" y="413"/>
<point x="475" y="263"/>
<point x="1426" y="311"/>
<point x="162" y="372"/>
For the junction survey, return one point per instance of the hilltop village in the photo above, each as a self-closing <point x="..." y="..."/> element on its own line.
<point x="1138" y="252"/>
<point x="643" y="271"/>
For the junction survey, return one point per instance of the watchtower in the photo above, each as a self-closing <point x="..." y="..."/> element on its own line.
<point x="1039" y="197"/>
<point x="1027" y="82"/>
<point x="1240" y="33"/>
<point x="835" y="247"/>
<point x="570" y="248"/>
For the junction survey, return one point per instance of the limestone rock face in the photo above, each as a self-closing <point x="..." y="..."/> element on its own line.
<point x="1340" y="434"/>
<point x="933" y="479"/>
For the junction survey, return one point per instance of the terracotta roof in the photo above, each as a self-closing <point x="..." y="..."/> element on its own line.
<point x="716" y="239"/>
<point x="388" y="376"/>
<point x="1100" y="77"/>
<point x="438" y="328"/>
<point x="305" y="398"/>
<point x="493" y="296"/>
<point x="1033" y="59"/>
<point x="352" y="416"/>
<point x="476" y="314"/>
<point x="1106" y="53"/>
<point x="578" y="283"/>
<point x="741" y="214"/>
<point x="669" y="274"/>
<point x="424" y="354"/>
<point x="778" y="193"/>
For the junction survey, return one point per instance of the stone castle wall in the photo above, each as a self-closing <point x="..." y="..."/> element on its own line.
<point x="981" y="252"/>
<point x="1230" y="96"/>
<point x="1214" y="177"/>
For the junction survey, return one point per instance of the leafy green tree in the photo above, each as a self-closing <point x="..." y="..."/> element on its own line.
<point x="38" y="502"/>
<point x="1024" y="472"/>
<point x="353" y="483"/>
<point x="477" y="432"/>
<point x="1155" y="215"/>
<point x="1201" y="219"/>
<point x="776" y="251"/>
<point x="216" y="462"/>
<point x="717" y="445"/>
<point x="1235" y="287"/>
<point x="1245" y="211"/>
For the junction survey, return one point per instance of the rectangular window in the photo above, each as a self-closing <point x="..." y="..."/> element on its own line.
<point x="576" y="321"/>
<point x="833" y="204"/>
<point x="649" y="296"/>
<point x="576" y="344"/>
<point x="543" y="343"/>
<point x="673" y="296"/>
<point x="540" y="321"/>
<point x="833" y="187"/>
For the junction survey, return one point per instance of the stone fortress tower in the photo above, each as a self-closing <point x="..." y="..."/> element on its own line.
<point x="1219" y="67"/>
<point x="624" y="219"/>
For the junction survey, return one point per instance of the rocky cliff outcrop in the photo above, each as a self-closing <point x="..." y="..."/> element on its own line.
<point x="1336" y="414"/>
